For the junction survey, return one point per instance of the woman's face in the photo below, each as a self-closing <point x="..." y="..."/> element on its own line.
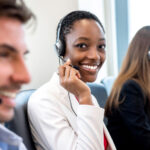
<point x="85" y="46"/>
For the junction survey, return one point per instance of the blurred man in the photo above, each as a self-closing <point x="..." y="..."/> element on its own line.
<point x="13" y="72"/>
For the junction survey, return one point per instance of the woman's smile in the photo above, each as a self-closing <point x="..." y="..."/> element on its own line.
<point x="89" y="68"/>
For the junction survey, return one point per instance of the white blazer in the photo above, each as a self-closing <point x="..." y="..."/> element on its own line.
<point x="59" y="122"/>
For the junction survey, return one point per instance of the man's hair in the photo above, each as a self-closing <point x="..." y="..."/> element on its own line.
<point x="15" y="9"/>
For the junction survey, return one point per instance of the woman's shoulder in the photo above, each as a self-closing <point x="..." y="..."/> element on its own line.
<point x="50" y="92"/>
<point x="132" y="85"/>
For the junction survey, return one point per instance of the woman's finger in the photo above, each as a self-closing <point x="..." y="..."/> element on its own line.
<point x="75" y="73"/>
<point x="67" y="72"/>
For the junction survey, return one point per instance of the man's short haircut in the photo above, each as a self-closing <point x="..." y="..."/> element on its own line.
<point x="15" y="9"/>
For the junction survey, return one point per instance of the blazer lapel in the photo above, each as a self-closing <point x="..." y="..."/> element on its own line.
<point x="74" y="104"/>
<point x="70" y="109"/>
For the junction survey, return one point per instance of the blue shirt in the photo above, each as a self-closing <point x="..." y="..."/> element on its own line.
<point x="9" y="140"/>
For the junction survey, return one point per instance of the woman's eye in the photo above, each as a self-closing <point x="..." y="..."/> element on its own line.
<point x="82" y="45"/>
<point x="102" y="47"/>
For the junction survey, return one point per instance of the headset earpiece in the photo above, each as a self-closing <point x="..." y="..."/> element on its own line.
<point x="59" y="48"/>
<point x="148" y="54"/>
<point x="58" y="45"/>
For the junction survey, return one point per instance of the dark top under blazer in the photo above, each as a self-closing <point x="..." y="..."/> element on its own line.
<point x="129" y="125"/>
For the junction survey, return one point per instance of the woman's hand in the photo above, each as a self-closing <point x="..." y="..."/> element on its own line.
<point x="70" y="80"/>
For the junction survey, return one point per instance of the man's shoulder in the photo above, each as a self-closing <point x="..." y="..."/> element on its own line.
<point x="9" y="140"/>
<point x="6" y="146"/>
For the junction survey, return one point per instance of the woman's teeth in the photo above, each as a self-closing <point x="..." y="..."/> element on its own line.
<point x="90" y="67"/>
<point x="8" y="94"/>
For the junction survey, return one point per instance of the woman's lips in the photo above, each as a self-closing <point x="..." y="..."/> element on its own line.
<point x="90" y="68"/>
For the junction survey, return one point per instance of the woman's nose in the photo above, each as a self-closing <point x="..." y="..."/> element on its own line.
<point x="94" y="54"/>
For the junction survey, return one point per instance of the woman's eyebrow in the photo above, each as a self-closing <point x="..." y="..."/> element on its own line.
<point x="83" y="38"/>
<point x="102" y="39"/>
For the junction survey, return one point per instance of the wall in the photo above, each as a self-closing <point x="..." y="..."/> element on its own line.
<point x="42" y="60"/>
<point x="139" y="15"/>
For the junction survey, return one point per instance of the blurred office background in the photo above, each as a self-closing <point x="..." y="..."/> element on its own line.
<point x="121" y="20"/>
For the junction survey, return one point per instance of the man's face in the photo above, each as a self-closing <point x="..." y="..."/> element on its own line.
<point x="13" y="72"/>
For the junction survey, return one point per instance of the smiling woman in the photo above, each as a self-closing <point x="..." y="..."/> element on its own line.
<point x="70" y="117"/>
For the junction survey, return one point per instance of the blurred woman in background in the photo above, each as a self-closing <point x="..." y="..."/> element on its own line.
<point x="128" y="106"/>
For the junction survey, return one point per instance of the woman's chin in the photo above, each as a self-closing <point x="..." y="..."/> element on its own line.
<point x="89" y="79"/>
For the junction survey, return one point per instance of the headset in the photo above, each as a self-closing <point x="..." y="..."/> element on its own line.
<point x="59" y="48"/>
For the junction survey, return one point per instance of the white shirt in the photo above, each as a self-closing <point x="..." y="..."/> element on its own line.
<point x="55" y="126"/>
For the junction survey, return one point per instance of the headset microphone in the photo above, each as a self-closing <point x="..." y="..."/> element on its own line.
<point x="76" y="67"/>
<point x="73" y="66"/>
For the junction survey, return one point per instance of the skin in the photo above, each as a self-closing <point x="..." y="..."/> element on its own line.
<point x="13" y="71"/>
<point x="85" y="48"/>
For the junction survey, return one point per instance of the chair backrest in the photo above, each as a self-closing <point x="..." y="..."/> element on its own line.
<point x="20" y="124"/>
<point x="99" y="91"/>
<point x="108" y="83"/>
